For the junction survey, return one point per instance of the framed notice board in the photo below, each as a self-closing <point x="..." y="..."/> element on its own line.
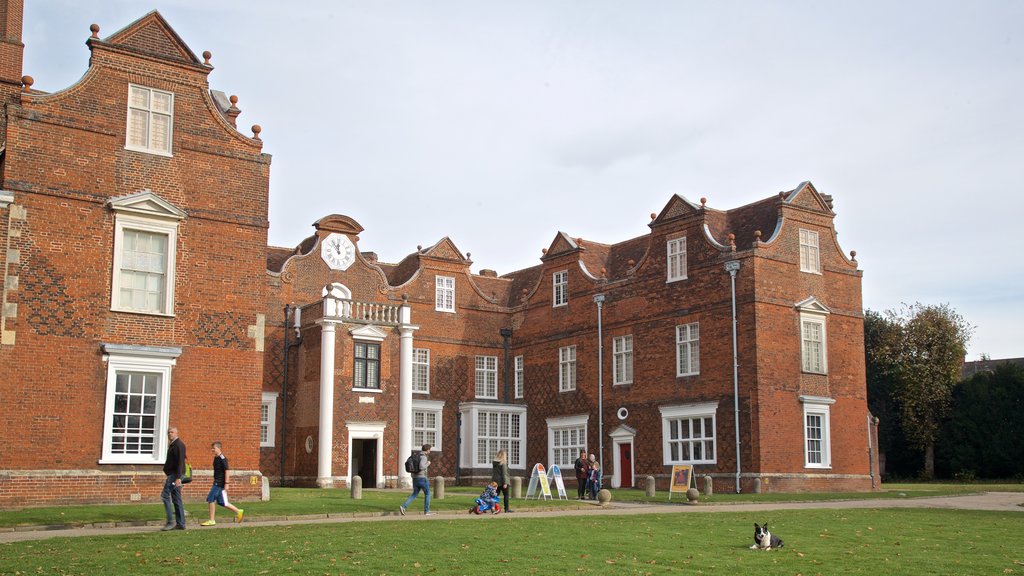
<point x="682" y="478"/>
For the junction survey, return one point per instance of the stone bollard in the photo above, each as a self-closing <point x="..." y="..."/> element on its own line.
<point x="757" y="486"/>
<point x="517" y="487"/>
<point x="709" y="486"/>
<point x="438" y="488"/>
<point x="692" y="496"/>
<point x="604" y="497"/>
<point x="649" y="487"/>
<point x="357" y="487"/>
<point x="265" y="491"/>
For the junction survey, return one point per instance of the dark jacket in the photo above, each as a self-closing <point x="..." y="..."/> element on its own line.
<point x="175" y="462"/>
<point x="499" y="473"/>
<point x="582" y="468"/>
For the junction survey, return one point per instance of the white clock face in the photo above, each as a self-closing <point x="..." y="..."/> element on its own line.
<point x="338" y="251"/>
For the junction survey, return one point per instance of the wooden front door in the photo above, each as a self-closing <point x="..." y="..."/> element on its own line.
<point x="625" y="465"/>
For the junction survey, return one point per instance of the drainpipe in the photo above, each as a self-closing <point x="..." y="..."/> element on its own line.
<point x="732" y="267"/>
<point x="506" y="333"/>
<point x="871" y="453"/>
<point x="599" y="300"/>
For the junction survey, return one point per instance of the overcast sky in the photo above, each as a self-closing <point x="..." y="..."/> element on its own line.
<point x="501" y="123"/>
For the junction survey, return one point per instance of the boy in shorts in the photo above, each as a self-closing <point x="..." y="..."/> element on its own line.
<point x="219" y="491"/>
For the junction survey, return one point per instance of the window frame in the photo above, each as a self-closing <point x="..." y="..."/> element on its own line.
<point x="520" y="373"/>
<point x="692" y="346"/>
<point x="560" y="289"/>
<point x="558" y="426"/>
<point x="515" y="446"/>
<point x="567" y="368"/>
<point x="168" y="227"/>
<point x="436" y="409"/>
<point x="810" y="251"/>
<point x="806" y="360"/>
<point x="365" y="362"/>
<point x="128" y="359"/>
<point x="444" y="294"/>
<point x="150" y="113"/>
<point x="675" y="259"/>
<point x="689" y="412"/>
<point x="268" y="400"/>
<point x="818" y="407"/>
<point x="421" y="370"/>
<point x="486" y="376"/>
<point x="623" y="356"/>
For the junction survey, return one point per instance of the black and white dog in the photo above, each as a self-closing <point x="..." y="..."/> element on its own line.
<point x="765" y="540"/>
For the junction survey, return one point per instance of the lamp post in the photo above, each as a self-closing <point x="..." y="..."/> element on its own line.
<point x="599" y="300"/>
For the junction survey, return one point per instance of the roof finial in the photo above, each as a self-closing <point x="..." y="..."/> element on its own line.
<point x="27" y="82"/>
<point x="653" y="215"/>
<point x="256" y="129"/>
<point x="732" y="242"/>
<point x="757" y="235"/>
<point x="95" y="28"/>
<point x="853" y="255"/>
<point x="703" y="202"/>
<point x="206" y="57"/>
<point x="543" y="250"/>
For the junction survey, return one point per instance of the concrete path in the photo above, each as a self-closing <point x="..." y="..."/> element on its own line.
<point x="994" y="501"/>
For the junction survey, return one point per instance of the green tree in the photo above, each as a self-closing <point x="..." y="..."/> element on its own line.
<point x="983" y="436"/>
<point x="916" y="354"/>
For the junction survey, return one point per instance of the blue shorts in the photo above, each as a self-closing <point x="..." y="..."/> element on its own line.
<point x="218" y="495"/>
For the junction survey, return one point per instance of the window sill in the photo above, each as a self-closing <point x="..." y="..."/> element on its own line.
<point x="817" y="467"/>
<point x="374" y="390"/>
<point x="148" y="151"/>
<point x="622" y="384"/>
<point x="424" y="392"/>
<point x="142" y="312"/>
<point x="122" y="461"/>
<point x="671" y="280"/>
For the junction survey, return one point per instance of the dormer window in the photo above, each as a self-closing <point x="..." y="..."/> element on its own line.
<point x="810" y="260"/>
<point x="676" y="259"/>
<point x="150" y="120"/>
<point x="560" y="288"/>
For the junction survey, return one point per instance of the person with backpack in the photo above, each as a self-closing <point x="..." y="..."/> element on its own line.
<point x="417" y="465"/>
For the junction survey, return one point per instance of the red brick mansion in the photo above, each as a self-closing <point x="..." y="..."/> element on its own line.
<point x="139" y="293"/>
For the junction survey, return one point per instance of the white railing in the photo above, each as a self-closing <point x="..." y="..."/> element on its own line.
<point x="361" y="312"/>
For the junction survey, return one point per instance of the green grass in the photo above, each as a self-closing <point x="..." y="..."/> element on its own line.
<point x="875" y="542"/>
<point x="310" y="501"/>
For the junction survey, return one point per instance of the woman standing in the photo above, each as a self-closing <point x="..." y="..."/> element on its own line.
<point x="500" y="475"/>
<point x="582" y="468"/>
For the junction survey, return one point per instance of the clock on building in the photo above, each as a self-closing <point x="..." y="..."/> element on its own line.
<point x="338" y="251"/>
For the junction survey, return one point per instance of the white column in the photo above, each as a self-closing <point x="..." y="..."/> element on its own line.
<point x="323" y="471"/>
<point x="405" y="446"/>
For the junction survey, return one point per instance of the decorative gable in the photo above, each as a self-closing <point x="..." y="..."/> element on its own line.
<point x="153" y="36"/>
<point x="146" y="203"/>
<point x="677" y="207"/>
<point x="561" y="245"/>
<point x="338" y="223"/>
<point x="368" y="332"/>
<point x="445" y="249"/>
<point x="813" y="306"/>
<point x="806" y="196"/>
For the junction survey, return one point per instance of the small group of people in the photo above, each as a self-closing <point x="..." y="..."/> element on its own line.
<point x="588" y="476"/>
<point x="174" y="469"/>
<point x="500" y="480"/>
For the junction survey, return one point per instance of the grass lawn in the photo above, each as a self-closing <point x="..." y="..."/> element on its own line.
<point x="309" y="501"/>
<point x="874" y="542"/>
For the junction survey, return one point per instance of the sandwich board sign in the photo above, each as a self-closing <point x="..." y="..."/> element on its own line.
<point x="556" y="475"/>
<point x="539" y="478"/>
<point x="682" y="477"/>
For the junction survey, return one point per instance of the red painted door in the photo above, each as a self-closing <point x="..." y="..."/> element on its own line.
<point x="625" y="466"/>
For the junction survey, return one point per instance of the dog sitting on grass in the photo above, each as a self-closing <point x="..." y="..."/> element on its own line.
<point x="765" y="540"/>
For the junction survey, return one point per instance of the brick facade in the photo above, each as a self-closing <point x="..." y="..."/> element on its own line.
<point x="70" y="181"/>
<point x="70" y="176"/>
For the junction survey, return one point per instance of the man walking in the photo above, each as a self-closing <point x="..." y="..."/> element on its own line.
<point x="174" y="468"/>
<point x="419" y="481"/>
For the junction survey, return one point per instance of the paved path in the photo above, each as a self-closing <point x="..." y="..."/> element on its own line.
<point x="994" y="501"/>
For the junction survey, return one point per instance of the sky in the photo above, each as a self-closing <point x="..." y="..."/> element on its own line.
<point x="499" y="124"/>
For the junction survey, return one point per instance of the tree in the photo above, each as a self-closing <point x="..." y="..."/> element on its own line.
<point x="918" y="352"/>
<point x="983" y="436"/>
